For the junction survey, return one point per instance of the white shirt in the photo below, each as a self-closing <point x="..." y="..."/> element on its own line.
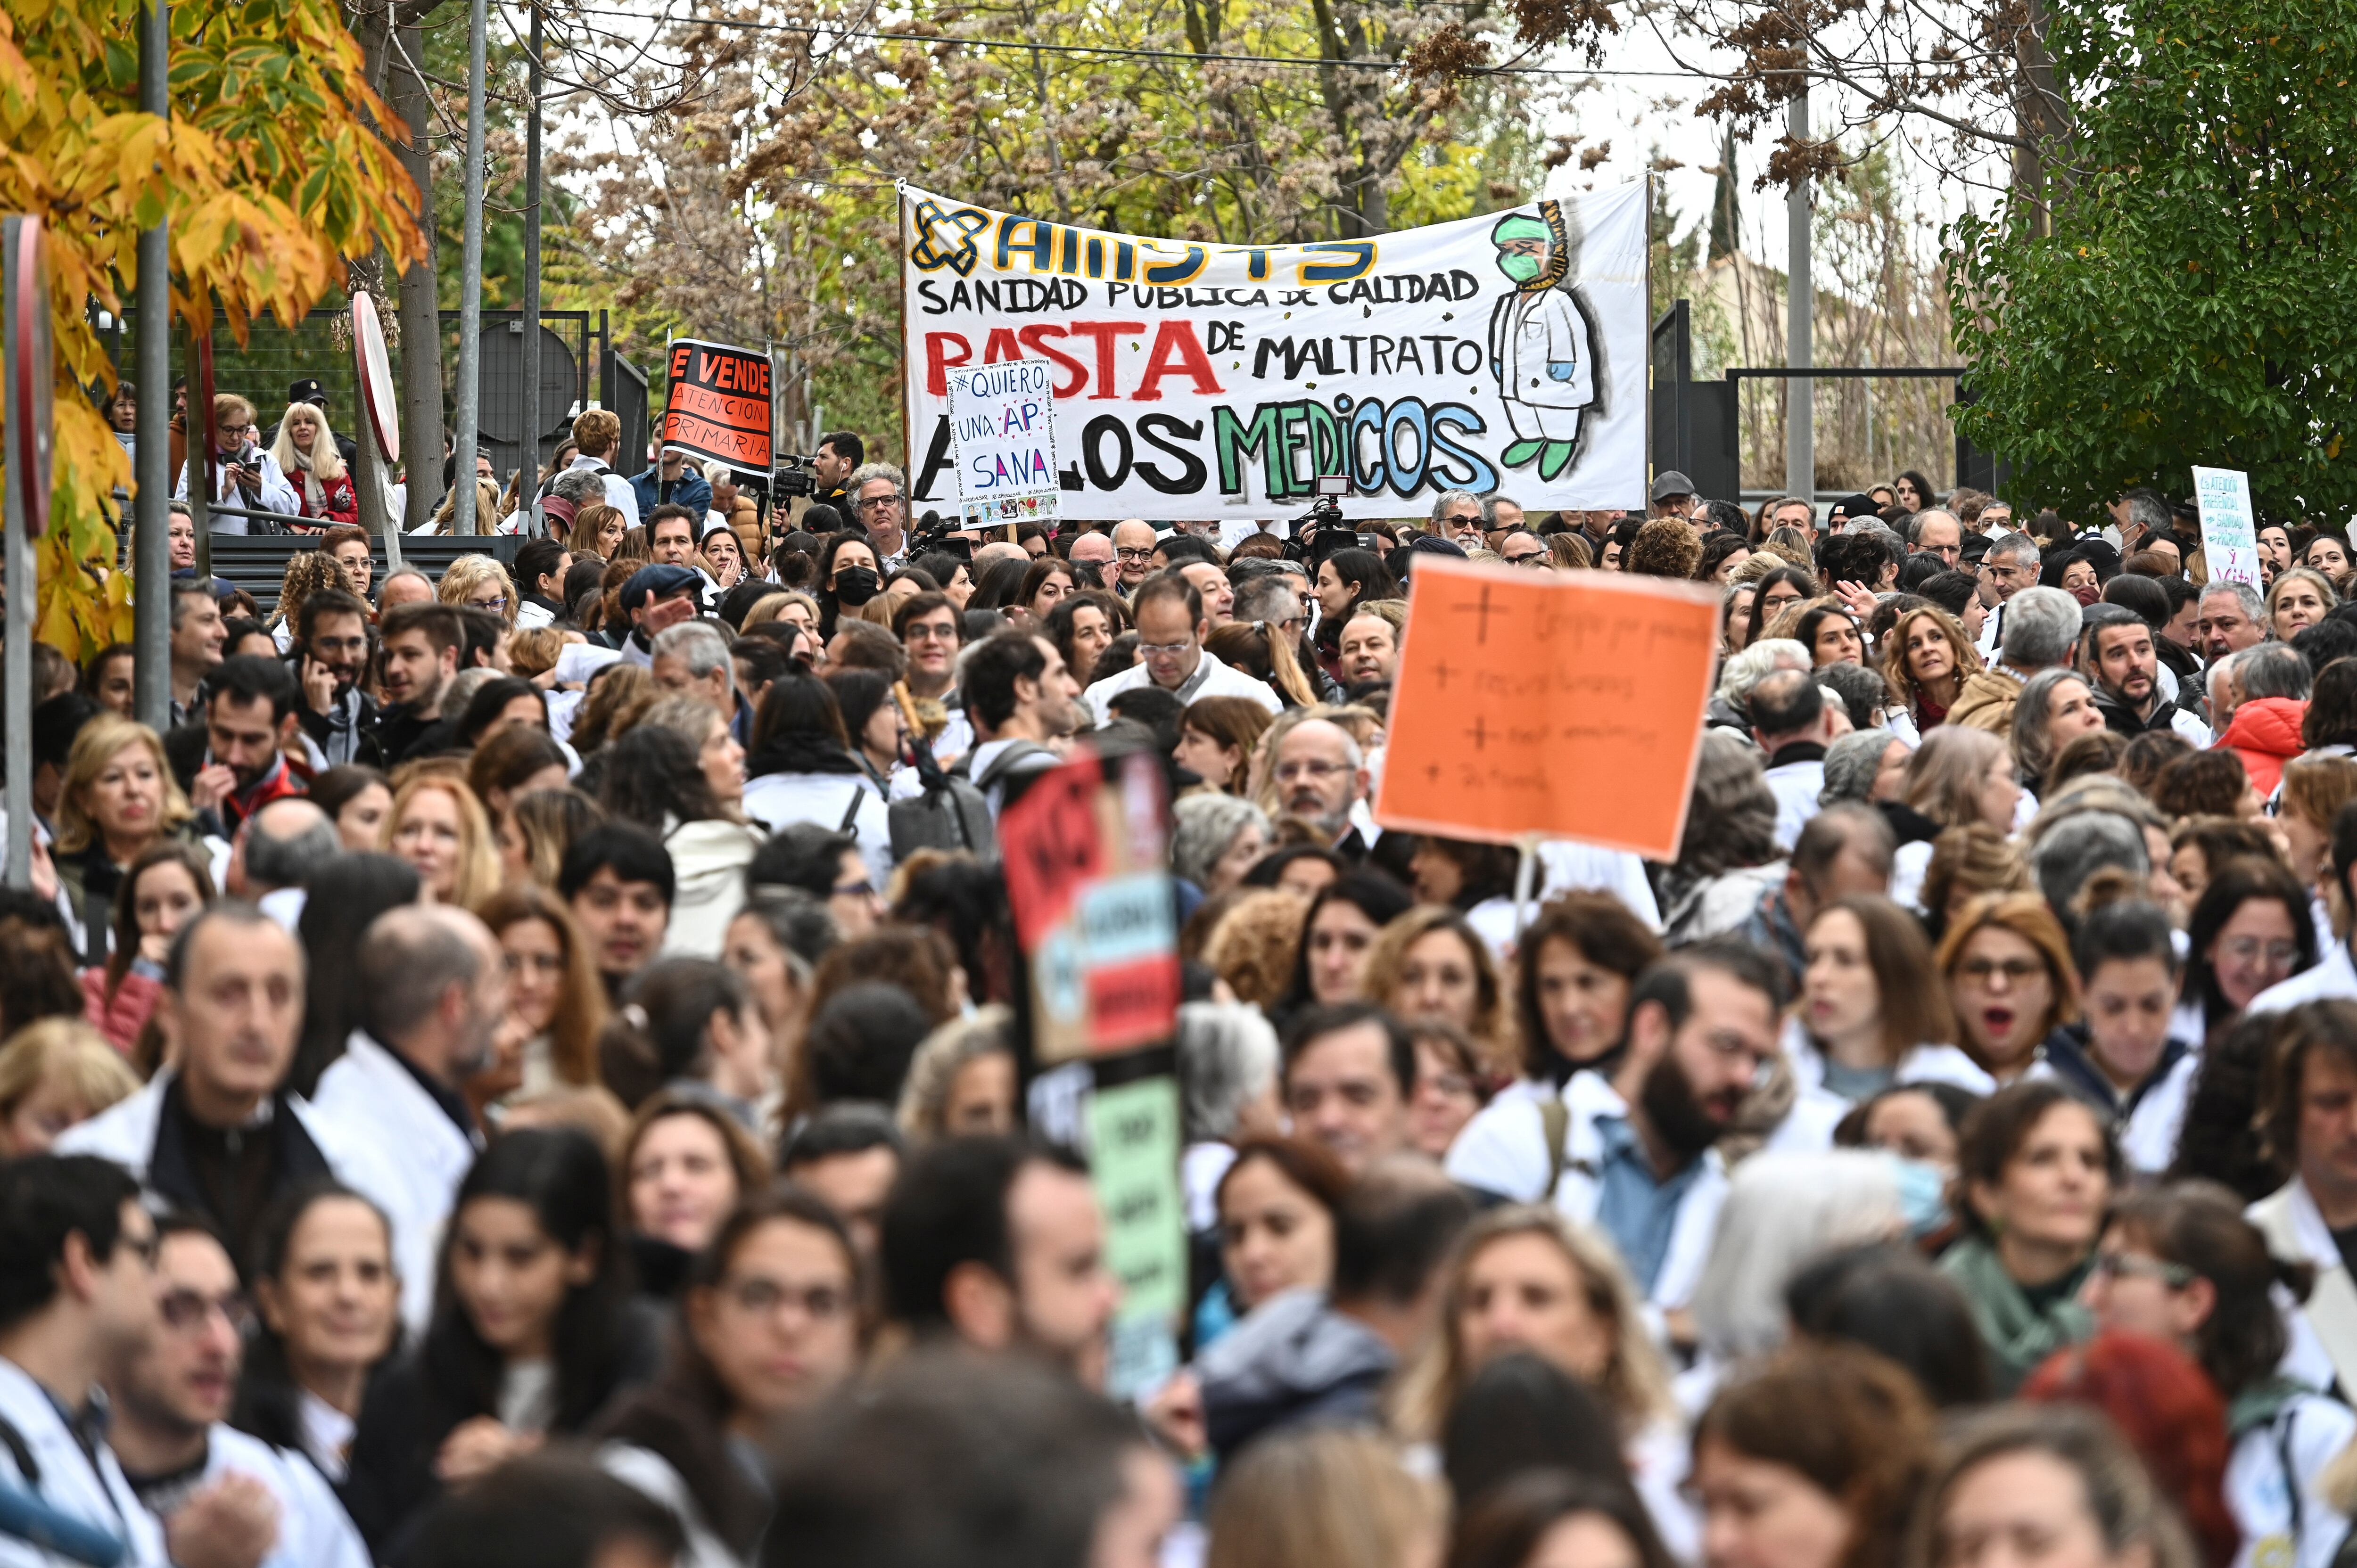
<point x="72" y="1483"/>
<point x="314" y="1530"/>
<point x="368" y="1098"/>
<point x="276" y="495"/>
<point x="619" y="494"/>
<point x="1797" y="786"/>
<point x="2333" y="979"/>
<point x="1212" y="678"/>
<point x="2310" y="1432"/>
<point x="778" y="800"/>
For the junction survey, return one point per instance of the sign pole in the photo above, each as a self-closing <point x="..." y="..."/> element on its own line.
<point x="1526" y="878"/>
<point x="151" y="529"/>
<point x="24" y="285"/>
<point x="470" y="289"/>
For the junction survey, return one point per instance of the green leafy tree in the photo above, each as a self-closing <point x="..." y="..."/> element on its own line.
<point x="2194" y="299"/>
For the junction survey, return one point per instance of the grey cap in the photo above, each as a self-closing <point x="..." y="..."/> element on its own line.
<point x="1670" y="482"/>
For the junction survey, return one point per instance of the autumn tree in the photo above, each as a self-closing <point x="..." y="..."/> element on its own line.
<point x="271" y="172"/>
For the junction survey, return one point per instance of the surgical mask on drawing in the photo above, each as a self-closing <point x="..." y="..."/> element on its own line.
<point x="1521" y="268"/>
<point x="854" y="585"/>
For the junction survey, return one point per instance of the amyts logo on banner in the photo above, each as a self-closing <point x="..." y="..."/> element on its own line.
<point x="1199" y="382"/>
<point x="717" y="403"/>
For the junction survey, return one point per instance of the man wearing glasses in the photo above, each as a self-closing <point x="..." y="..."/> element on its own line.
<point x="879" y="503"/>
<point x="2010" y="565"/>
<point x="169" y="1398"/>
<point x="1132" y="554"/>
<point x="1522" y="548"/>
<point x="78" y="1254"/>
<point x="1168" y="613"/>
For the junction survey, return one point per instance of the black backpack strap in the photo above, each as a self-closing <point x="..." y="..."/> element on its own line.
<point x="850" y="812"/>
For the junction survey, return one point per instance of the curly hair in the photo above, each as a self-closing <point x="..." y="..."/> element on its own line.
<point x="1894" y="660"/>
<point x="307" y="572"/>
<point x="1253" y="946"/>
<point x="1665" y="547"/>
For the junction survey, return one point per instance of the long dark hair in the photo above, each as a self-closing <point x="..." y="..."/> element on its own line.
<point x="2238" y="882"/>
<point x="169" y="851"/>
<point x="269" y="1402"/>
<point x="1363" y="570"/>
<point x="344" y="898"/>
<point x="798" y="703"/>
<point x="684" y="1415"/>
<point x="1373" y="893"/>
<point x="561" y="1176"/>
<point x="823" y="589"/>
<point x="653" y="773"/>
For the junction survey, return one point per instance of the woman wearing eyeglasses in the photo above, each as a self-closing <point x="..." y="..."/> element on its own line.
<point x="477" y="581"/>
<point x="2251" y="928"/>
<point x="770" y="1323"/>
<point x="2009" y="976"/>
<point x="2182" y="1264"/>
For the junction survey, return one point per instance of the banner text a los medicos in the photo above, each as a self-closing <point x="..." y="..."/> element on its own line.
<point x="1501" y="353"/>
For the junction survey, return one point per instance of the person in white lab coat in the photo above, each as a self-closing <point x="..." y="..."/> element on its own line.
<point x="77" y="1285"/>
<point x="2182" y="1264"/>
<point x="433" y="991"/>
<point x="169" y="1393"/>
<point x="1541" y="353"/>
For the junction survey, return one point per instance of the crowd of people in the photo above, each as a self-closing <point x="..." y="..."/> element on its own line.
<point x="526" y="1068"/>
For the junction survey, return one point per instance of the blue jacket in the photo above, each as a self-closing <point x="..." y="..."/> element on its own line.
<point x="690" y="489"/>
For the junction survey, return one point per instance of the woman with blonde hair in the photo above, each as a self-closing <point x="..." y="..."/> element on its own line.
<point x="1253" y="946"/>
<point x="962" y="1081"/>
<point x="1527" y="1278"/>
<point x="790" y="605"/>
<point x="2297" y="599"/>
<point x="306" y="452"/>
<point x="1929" y="658"/>
<point x="2314" y="790"/>
<point x="1958" y="777"/>
<point x="487" y="506"/>
<point x="54" y="1073"/>
<point x="480" y="582"/>
<point x="600" y="531"/>
<point x="118" y="798"/>
<point x="1966" y="863"/>
<point x="1323" y="1498"/>
<point x="1431" y="963"/>
<point x="438" y="827"/>
<point x="556" y="1003"/>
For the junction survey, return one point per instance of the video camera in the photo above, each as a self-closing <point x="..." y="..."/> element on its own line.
<point x="792" y="476"/>
<point x="1320" y="531"/>
<point x="934" y="533"/>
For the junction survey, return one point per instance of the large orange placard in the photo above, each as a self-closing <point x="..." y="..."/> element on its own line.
<point x="1561" y="705"/>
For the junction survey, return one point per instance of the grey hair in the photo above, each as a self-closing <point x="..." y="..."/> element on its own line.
<point x="1783" y="1212"/>
<point x="1489" y="508"/>
<point x="2017" y="547"/>
<point x="1227" y="1058"/>
<point x="1731" y="823"/>
<point x="2272" y="670"/>
<point x="463" y="685"/>
<point x="581" y="486"/>
<point x="2040" y="625"/>
<point x="2148" y="511"/>
<point x="2078" y="847"/>
<point x="273" y="860"/>
<point x="1205" y="825"/>
<point x="1447" y="498"/>
<point x="1268" y="596"/>
<point x="1851" y="763"/>
<point x="1757" y="662"/>
<point x="866" y="471"/>
<point x="409" y="957"/>
<point x="933" y="1071"/>
<point x="2033" y="711"/>
<point x="2244" y="595"/>
<point x="701" y="646"/>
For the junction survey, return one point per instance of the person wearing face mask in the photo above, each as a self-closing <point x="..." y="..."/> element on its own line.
<point x="848" y="576"/>
<point x="2121" y="1057"/>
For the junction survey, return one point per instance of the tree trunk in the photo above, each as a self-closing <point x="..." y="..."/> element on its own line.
<point x="421" y="320"/>
<point x="2040" y="119"/>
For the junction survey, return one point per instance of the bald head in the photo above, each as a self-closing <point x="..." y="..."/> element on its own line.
<point x="1091" y="549"/>
<point x="991" y="555"/>
<point x="1319" y="775"/>
<point x="1133" y="542"/>
<point x="432" y="986"/>
<point x="286" y="841"/>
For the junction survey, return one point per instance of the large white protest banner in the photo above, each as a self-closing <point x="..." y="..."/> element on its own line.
<point x="1216" y="382"/>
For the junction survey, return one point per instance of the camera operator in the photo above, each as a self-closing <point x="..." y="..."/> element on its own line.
<point x="246" y="476"/>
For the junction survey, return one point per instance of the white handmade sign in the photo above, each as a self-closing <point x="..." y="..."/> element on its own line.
<point x="1003" y="420"/>
<point x="2230" y="535"/>
<point x="1504" y="353"/>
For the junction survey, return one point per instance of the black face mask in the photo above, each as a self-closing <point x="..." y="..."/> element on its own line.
<point x="854" y="585"/>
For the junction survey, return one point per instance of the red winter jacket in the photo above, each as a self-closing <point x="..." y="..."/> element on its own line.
<point x="342" y="503"/>
<point x="2266" y="735"/>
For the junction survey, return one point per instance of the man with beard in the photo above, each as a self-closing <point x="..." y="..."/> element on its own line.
<point x="331" y="655"/>
<point x="422" y="648"/>
<point x="218" y="1132"/>
<point x="1320" y="779"/>
<point x="432" y="988"/>
<point x="1628" y="1143"/>
<point x="2117" y="650"/>
<point x="233" y="761"/>
<point x="169" y="1398"/>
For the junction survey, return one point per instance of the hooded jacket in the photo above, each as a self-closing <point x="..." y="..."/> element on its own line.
<point x="1295" y="1361"/>
<point x="1987" y="701"/>
<point x="2266" y="735"/>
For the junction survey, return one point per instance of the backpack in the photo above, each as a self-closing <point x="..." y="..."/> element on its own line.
<point x="949" y="815"/>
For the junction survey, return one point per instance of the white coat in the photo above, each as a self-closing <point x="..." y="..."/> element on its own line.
<point x="2324" y="1329"/>
<point x="314" y="1530"/>
<point x="1212" y="678"/>
<point x="778" y="800"/>
<point x="70" y="1482"/>
<point x="708" y="861"/>
<point x="652" y="1475"/>
<point x="274" y="495"/>
<point x="1924" y="1064"/>
<point x="2333" y="979"/>
<point x="2271" y="1484"/>
<point x="1797" y="786"/>
<point x="1533" y="333"/>
<point x="368" y="1098"/>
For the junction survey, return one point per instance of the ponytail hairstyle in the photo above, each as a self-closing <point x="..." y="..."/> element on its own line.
<point x="2198" y="1227"/>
